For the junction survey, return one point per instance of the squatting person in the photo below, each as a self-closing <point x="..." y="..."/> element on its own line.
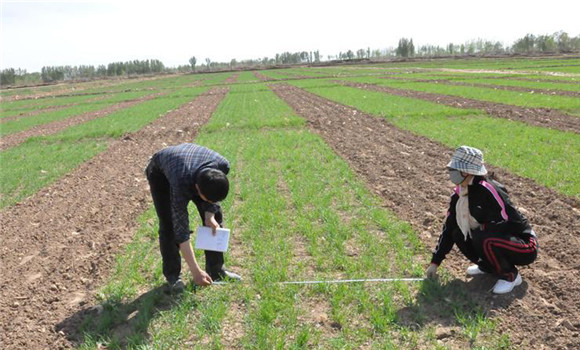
<point x="177" y="175"/>
<point x="484" y="224"/>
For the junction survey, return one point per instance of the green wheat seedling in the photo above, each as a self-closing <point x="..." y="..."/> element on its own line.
<point x="40" y="161"/>
<point x="297" y="212"/>
<point x="550" y="157"/>
<point x="567" y="104"/>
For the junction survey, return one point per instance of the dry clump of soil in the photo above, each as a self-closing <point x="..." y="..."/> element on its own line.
<point x="58" y="245"/>
<point x="407" y="172"/>
<point x="543" y="117"/>
<point x="15" y="139"/>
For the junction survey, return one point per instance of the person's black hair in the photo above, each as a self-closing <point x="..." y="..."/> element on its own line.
<point x="213" y="184"/>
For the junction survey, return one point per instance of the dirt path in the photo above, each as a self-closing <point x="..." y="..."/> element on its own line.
<point x="543" y="117"/>
<point x="58" y="245"/>
<point x="407" y="172"/>
<point x="15" y="139"/>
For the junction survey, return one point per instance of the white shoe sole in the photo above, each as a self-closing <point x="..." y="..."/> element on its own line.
<point x="472" y="271"/>
<point x="509" y="288"/>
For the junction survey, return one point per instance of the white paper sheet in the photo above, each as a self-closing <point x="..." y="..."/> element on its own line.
<point x="205" y="240"/>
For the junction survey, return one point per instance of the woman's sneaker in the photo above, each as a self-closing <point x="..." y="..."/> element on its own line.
<point x="474" y="270"/>
<point x="503" y="286"/>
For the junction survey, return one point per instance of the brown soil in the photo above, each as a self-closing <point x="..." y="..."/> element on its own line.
<point x="35" y="112"/>
<point x="232" y="79"/>
<point x="47" y="109"/>
<point x="548" y="81"/>
<point x="543" y="117"/>
<point x="407" y="172"/>
<point x="65" y="89"/>
<point x="493" y="86"/>
<point x="59" y="125"/>
<point x="262" y="77"/>
<point x="58" y="245"/>
<point x="520" y="78"/>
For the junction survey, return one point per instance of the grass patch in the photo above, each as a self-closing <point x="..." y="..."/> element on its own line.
<point x="569" y="105"/>
<point x="550" y="157"/>
<point x="40" y="161"/>
<point x="296" y="212"/>
<point x="52" y="116"/>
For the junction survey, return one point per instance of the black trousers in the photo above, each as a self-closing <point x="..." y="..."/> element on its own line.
<point x="160" y="191"/>
<point x="497" y="253"/>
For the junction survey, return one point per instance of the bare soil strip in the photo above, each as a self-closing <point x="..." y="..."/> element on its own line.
<point x="543" y="117"/>
<point x="407" y="172"/>
<point x="48" y="109"/>
<point x="516" y="78"/>
<point x="262" y="77"/>
<point x="15" y="139"/>
<point x="493" y="86"/>
<point x="232" y="79"/>
<point x="35" y="112"/>
<point x="546" y="80"/>
<point x="58" y="246"/>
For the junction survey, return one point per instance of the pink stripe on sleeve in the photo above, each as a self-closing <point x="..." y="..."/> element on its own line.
<point x="497" y="198"/>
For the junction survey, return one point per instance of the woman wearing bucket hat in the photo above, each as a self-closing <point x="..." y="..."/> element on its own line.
<point x="484" y="224"/>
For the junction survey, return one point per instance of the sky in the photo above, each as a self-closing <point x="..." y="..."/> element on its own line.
<point x="56" y="33"/>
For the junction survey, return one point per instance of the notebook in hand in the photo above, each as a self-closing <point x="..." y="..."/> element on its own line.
<point x="205" y="240"/>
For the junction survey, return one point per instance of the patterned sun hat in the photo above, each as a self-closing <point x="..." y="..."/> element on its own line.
<point x="469" y="160"/>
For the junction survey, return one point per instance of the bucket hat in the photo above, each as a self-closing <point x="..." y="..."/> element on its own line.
<point x="468" y="160"/>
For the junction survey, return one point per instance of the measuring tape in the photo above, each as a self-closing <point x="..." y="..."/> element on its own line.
<point x="341" y="281"/>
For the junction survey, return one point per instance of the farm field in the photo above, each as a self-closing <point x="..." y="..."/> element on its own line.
<point x="337" y="173"/>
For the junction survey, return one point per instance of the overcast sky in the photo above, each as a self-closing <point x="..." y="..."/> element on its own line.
<point x="53" y="33"/>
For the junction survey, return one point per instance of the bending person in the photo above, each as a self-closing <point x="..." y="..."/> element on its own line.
<point x="484" y="224"/>
<point x="178" y="175"/>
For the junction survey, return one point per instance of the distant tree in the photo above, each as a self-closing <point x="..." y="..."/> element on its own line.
<point x="101" y="71"/>
<point x="207" y="63"/>
<point x="316" y="56"/>
<point x="450" y="49"/>
<point x="405" y="48"/>
<point x="360" y="53"/>
<point x="8" y="76"/>
<point x="349" y="55"/>
<point x="192" y="62"/>
<point x="564" y="42"/>
<point x="525" y="44"/>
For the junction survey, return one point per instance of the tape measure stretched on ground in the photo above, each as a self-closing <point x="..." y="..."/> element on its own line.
<point x="343" y="281"/>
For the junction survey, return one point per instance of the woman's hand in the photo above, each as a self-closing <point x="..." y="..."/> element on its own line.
<point x="432" y="271"/>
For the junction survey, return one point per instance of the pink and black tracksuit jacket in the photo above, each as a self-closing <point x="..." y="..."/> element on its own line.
<point x="505" y="239"/>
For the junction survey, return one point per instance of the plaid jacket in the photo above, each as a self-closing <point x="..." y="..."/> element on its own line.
<point x="180" y="164"/>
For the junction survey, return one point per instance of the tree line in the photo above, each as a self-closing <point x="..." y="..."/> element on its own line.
<point x="51" y="74"/>
<point x="559" y="42"/>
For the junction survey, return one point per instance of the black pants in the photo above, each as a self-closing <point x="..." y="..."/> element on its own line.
<point x="497" y="253"/>
<point x="160" y="191"/>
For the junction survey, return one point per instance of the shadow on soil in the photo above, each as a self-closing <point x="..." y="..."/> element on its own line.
<point x="118" y="323"/>
<point x="443" y="304"/>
